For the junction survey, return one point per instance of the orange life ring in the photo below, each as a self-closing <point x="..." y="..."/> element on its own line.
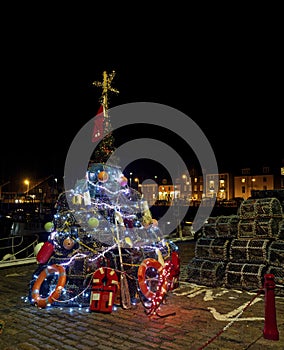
<point x="42" y="302"/>
<point x="175" y="270"/>
<point x="162" y="288"/>
<point x="142" y="276"/>
<point x="105" y="276"/>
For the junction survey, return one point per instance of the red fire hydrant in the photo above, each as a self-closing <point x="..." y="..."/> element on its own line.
<point x="270" y="330"/>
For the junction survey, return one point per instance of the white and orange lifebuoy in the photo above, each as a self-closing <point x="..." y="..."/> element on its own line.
<point x="162" y="288"/>
<point x="166" y="277"/>
<point x="142" y="276"/>
<point x="43" y="302"/>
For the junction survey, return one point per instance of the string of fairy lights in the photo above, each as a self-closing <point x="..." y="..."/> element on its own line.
<point x="103" y="227"/>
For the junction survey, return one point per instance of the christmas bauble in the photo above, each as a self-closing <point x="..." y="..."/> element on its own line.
<point x="48" y="226"/>
<point x="123" y="181"/>
<point x="93" y="222"/>
<point x="68" y="243"/>
<point x="154" y="222"/>
<point x="129" y="241"/>
<point x="102" y="176"/>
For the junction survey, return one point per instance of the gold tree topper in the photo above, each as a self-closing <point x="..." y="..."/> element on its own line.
<point x="106" y="86"/>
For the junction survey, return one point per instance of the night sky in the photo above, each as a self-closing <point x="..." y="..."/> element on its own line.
<point x="231" y="89"/>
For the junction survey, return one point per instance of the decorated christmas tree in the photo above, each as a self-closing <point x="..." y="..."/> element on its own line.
<point x="104" y="247"/>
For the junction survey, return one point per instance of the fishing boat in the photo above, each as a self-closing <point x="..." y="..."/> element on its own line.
<point x="22" y="233"/>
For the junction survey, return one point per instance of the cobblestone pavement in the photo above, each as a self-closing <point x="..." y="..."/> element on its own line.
<point x="196" y="317"/>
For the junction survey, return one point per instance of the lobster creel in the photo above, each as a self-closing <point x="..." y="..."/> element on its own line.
<point x="244" y="276"/>
<point x="206" y="272"/>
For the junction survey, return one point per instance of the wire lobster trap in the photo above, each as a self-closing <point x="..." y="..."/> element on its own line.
<point x="227" y="226"/>
<point x="244" y="276"/>
<point x="249" y="250"/>
<point x="276" y="253"/>
<point x="212" y="248"/>
<point x="261" y="207"/>
<point x="266" y="227"/>
<point x="78" y="267"/>
<point x="206" y="272"/>
<point x="278" y="273"/>
<point x="246" y="210"/>
<point x="268" y="207"/>
<point x="246" y="228"/>
<point x="280" y="233"/>
<point x="209" y="228"/>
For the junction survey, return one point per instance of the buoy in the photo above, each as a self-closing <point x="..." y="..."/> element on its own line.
<point x="45" y="252"/>
<point x="37" y="248"/>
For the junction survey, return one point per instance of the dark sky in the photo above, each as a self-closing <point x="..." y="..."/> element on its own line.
<point x="232" y="89"/>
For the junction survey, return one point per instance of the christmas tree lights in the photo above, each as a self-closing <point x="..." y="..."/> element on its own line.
<point x="100" y="236"/>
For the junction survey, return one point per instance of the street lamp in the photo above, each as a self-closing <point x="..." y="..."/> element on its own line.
<point x="27" y="182"/>
<point x="157" y="191"/>
<point x="137" y="180"/>
<point x="130" y="179"/>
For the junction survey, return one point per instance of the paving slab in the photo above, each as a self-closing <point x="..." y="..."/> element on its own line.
<point x="193" y="317"/>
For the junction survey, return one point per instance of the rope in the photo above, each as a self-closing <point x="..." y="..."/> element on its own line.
<point x="26" y="248"/>
<point x="12" y="242"/>
<point x="74" y="298"/>
<point x="22" y="250"/>
<point x="230" y="323"/>
<point x="124" y="288"/>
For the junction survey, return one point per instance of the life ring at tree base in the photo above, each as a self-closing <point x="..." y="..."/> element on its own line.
<point x="175" y="270"/>
<point x="43" y="302"/>
<point x="162" y="288"/>
<point x="147" y="264"/>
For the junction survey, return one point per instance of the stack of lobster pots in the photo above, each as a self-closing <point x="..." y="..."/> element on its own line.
<point x="237" y="251"/>
<point x="212" y="250"/>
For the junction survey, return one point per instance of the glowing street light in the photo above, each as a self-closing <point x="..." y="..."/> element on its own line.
<point x="137" y="180"/>
<point x="139" y="189"/>
<point x="27" y="182"/>
<point x="130" y="179"/>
